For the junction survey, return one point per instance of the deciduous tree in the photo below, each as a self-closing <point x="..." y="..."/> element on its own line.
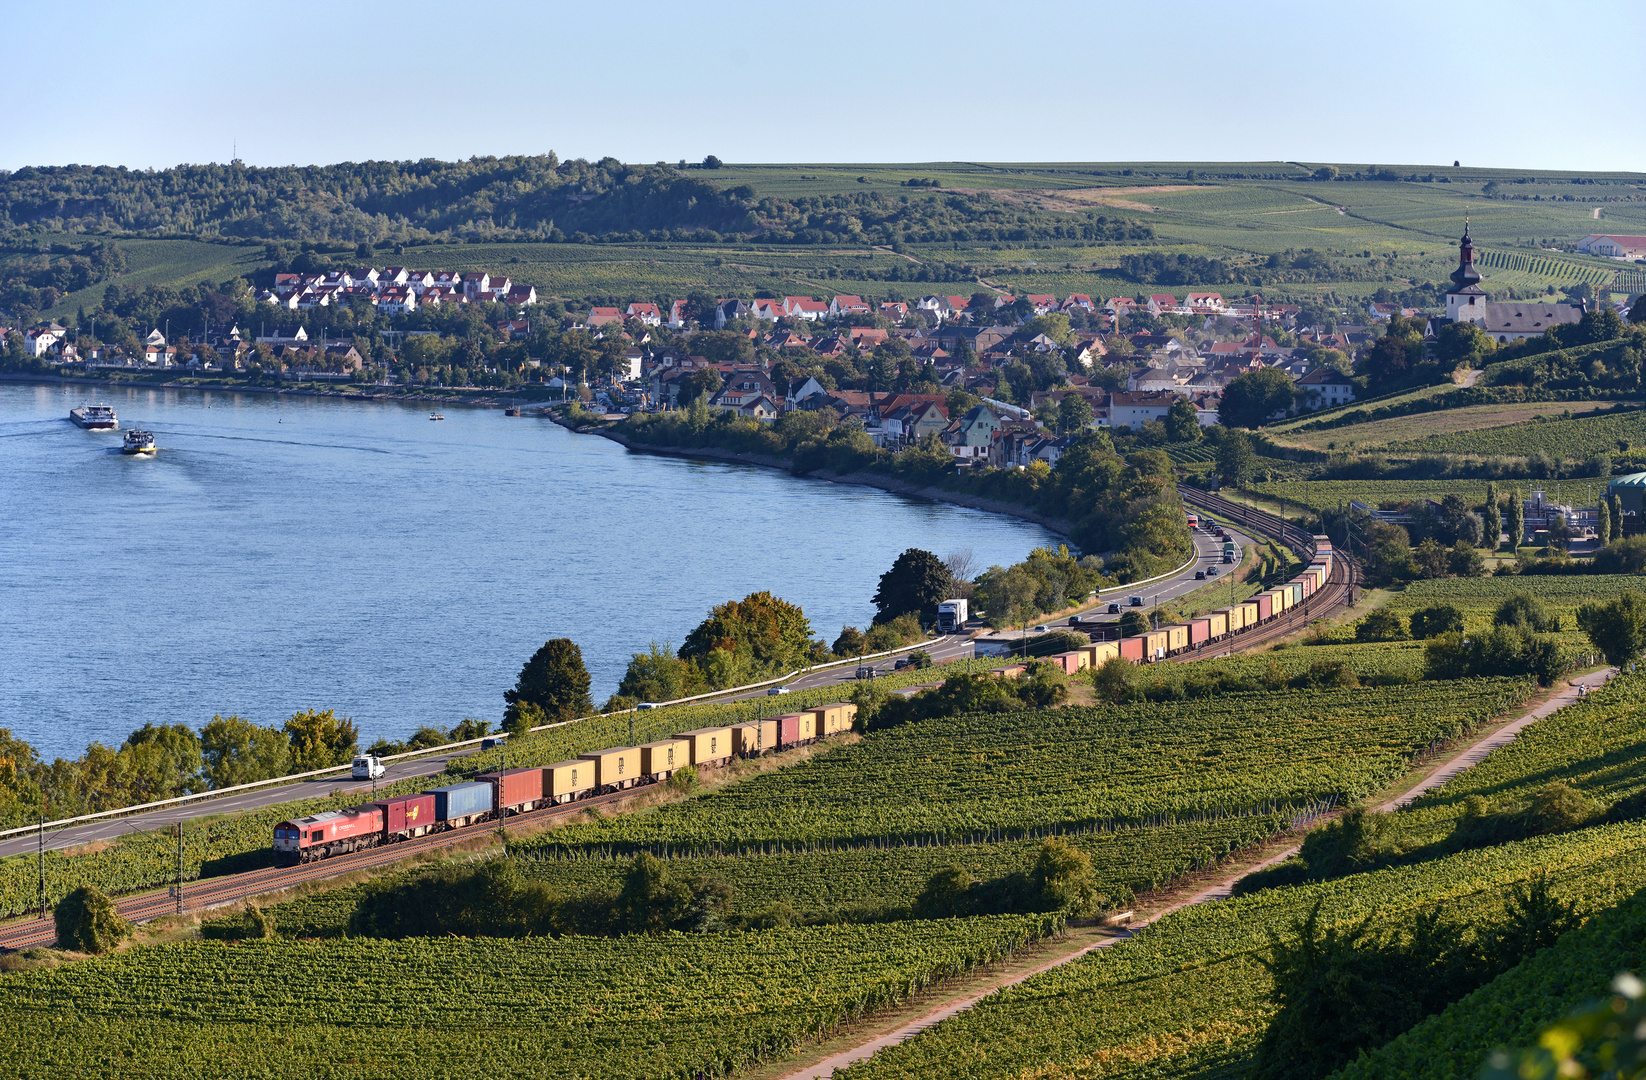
<point x="917" y="582"/>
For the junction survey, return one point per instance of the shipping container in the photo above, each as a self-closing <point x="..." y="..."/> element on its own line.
<point x="1154" y="644"/>
<point x="1265" y="606"/>
<point x="660" y="759"/>
<point x="409" y="815"/>
<point x="567" y="780"/>
<point x="1217" y="624"/>
<point x="1104" y="651"/>
<point x="835" y="717"/>
<point x="1252" y="613"/>
<point x="1200" y="630"/>
<point x="1235" y="616"/>
<point x="1294" y="594"/>
<point x="793" y="728"/>
<point x="460" y="804"/>
<point x="1010" y="671"/>
<point x="1132" y="648"/>
<point x="1070" y="662"/>
<point x="710" y="745"/>
<point x="1308" y="583"/>
<point x="754" y="738"/>
<point x="1277" y="601"/>
<point x="518" y="790"/>
<point x="1177" y="637"/>
<point x="616" y="768"/>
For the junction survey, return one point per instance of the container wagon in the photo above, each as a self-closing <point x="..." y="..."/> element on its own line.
<point x="835" y="717"/>
<point x="407" y="816"/>
<point x="1265" y="607"/>
<point x="457" y="805"/>
<point x="615" y="768"/>
<point x="515" y="791"/>
<point x="659" y="760"/>
<point x="1154" y="644"/>
<point x="1218" y="625"/>
<point x="795" y="729"/>
<point x="565" y="781"/>
<point x="754" y="738"/>
<point x="709" y="746"/>
<point x="1177" y="637"/>
<point x="1132" y="649"/>
<point x="1200" y="630"/>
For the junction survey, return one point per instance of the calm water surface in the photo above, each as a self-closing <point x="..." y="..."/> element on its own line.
<point x="291" y="553"/>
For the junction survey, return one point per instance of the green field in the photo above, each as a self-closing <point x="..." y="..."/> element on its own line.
<point x="1233" y="211"/>
<point x="679" y="1005"/>
<point x="1320" y="495"/>
<point x="1575" y="438"/>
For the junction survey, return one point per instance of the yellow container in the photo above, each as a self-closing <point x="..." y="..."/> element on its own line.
<point x="1250" y="614"/>
<point x="566" y="780"/>
<point x="1155" y="644"/>
<point x="754" y="738"/>
<point x="1177" y="637"/>
<point x="710" y="745"/>
<point x="1219" y="621"/>
<point x="1104" y="651"/>
<point x="664" y="757"/>
<point x="834" y="717"/>
<point x="617" y="767"/>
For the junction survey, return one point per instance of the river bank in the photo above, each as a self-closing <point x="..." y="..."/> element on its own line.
<point x="487" y="400"/>
<point x="892" y="484"/>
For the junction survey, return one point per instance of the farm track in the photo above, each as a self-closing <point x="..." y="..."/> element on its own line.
<point x="216" y="892"/>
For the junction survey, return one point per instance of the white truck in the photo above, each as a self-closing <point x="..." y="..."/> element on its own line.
<point x="367" y="767"/>
<point x="951" y="616"/>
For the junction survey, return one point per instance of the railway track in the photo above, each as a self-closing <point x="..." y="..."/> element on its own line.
<point x="1337" y="594"/>
<point x="215" y="892"/>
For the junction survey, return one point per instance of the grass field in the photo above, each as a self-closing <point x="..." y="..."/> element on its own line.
<point x="1328" y="494"/>
<point x="1409" y="431"/>
<point x="1578" y="437"/>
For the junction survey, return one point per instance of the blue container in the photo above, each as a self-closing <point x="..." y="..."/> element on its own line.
<point x="461" y="801"/>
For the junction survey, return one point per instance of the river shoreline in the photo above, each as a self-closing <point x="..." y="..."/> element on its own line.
<point x="311" y="390"/>
<point x="891" y="484"/>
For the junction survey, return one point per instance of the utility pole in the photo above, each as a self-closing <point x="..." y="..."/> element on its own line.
<point x="42" y="852"/>
<point x="179" y="866"/>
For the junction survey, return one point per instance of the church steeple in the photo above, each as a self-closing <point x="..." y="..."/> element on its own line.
<point x="1465" y="275"/>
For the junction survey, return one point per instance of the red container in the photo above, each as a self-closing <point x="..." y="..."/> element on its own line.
<point x="1068" y="661"/>
<point x="1308" y="582"/>
<point x="1265" y="606"/>
<point x="788" y="729"/>
<point x="408" y="813"/>
<point x="513" y="788"/>
<point x="1131" y="648"/>
<point x="1199" y="630"/>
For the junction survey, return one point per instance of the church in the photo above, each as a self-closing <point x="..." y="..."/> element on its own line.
<point x="1505" y="322"/>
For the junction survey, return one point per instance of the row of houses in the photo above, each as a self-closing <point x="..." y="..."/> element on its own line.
<point x="394" y="290"/>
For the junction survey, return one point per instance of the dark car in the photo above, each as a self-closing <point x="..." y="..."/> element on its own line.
<point x="1228" y="558"/>
<point x="900" y="665"/>
<point x="1211" y="571"/>
<point x="1114" y="609"/>
<point x="1200" y="575"/>
<point x="1137" y="601"/>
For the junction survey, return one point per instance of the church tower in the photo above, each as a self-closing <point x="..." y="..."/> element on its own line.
<point x="1466" y="300"/>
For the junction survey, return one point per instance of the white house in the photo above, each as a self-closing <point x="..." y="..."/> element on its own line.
<point x="1609" y="246"/>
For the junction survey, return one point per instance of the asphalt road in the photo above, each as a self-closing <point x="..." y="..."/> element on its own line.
<point x="951" y="647"/>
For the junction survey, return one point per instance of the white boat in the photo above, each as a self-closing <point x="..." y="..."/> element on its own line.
<point x="95" y="417"/>
<point x="436" y="416"/>
<point x="138" y="442"/>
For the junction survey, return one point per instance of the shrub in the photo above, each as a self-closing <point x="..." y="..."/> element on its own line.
<point x="1524" y="611"/>
<point x="88" y="922"/>
<point x="1381" y="625"/>
<point x="1435" y="620"/>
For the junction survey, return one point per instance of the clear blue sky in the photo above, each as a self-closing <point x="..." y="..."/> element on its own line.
<point x="157" y="83"/>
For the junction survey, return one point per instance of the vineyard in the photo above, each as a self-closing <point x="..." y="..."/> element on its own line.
<point x="1543" y="266"/>
<point x="1320" y="495"/>
<point x="1025" y="775"/>
<point x="1478" y="598"/>
<point x="1189" y="995"/>
<point x="1509" y="1010"/>
<point x="239" y="842"/>
<point x="680" y="1005"/>
<point x="1577" y="438"/>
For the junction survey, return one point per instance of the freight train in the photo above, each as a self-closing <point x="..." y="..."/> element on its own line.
<point x="494" y="796"/>
<point x="1213" y="627"/>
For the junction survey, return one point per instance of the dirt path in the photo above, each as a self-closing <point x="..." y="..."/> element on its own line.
<point x="1221" y="889"/>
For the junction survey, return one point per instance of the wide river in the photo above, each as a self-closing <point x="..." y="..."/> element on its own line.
<point x="286" y="553"/>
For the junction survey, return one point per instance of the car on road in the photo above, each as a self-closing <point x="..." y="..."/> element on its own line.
<point x="646" y="705"/>
<point x="866" y="672"/>
<point x="776" y="690"/>
<point x="901" y="664"/>
<point x="1114" y="609"/>
<point x="1200" y="575"/>
<point x="1136" y="601"/>
<point x="1042" y="628"/>
<point x="368" y="767"/>
<point x="1228" y="558"/>
<point x="1211" y="571"/>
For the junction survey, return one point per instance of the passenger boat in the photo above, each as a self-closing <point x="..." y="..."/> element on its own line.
<point x="436" y="416"/>
<point x="95" y="417"/>
<point x="512" y="410"/>
<point x="138" y="442"/>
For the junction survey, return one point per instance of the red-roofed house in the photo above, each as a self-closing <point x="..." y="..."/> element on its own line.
<point x="476" y="282"/>
<point x="867" y="337"/>
<point x="770" y="310"/>
<point x="677" y="314"/>
<point x="894" y="311"/>
<point x="804" y="307"/>
<point x="1206" y="303"/>
<point x="1043" y="303"/>
<point x="1163" y="304"/>
<point x="648" y="314"/>
<point x="521" y="295"/>
<point x="604" y="316"/>
<point x="1079" y="300"/>
<point x="848" y="305"/>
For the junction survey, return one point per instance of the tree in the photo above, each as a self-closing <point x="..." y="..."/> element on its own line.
<point x="1182" y="421"/>
<point x="712" y="162"/>
<point x="1251" y="399"/>
<point x="1074" y="414"/>
<point x="759" y="634"/>
<point x="1637" y="310"/>
<point x="1387" y="362"/>
<point x="1492" y="519"/>
<point x="1435" y="620"/>
<point x="1616" y="627"/>
<point x="917" y="582"/>
<point x="165" y="761"/>
<point x="319" y="739"/>
<point x="658" y="675"/>
<point x="238" y="751"/>
<point x="1625" y="556"/>
<point x="1133" y="622"/>
<point x="1516" y="522"/>
<point x="1380" y="625"/>
<point x="1235" y="458"/>
<point x="849" y="643"/>
<point x="1617" y="517"/>
<point x="554" y="680"/>
<point x="1603" y="531"/>
<point x="88" y="922"/>
<point x="1463" y="344"/>
<point x="1465" y="560"/>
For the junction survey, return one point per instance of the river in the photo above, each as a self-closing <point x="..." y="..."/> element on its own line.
<point x="286" y="553"/>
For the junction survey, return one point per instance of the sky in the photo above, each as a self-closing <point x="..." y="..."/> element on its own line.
<point x="165" y="82"/>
